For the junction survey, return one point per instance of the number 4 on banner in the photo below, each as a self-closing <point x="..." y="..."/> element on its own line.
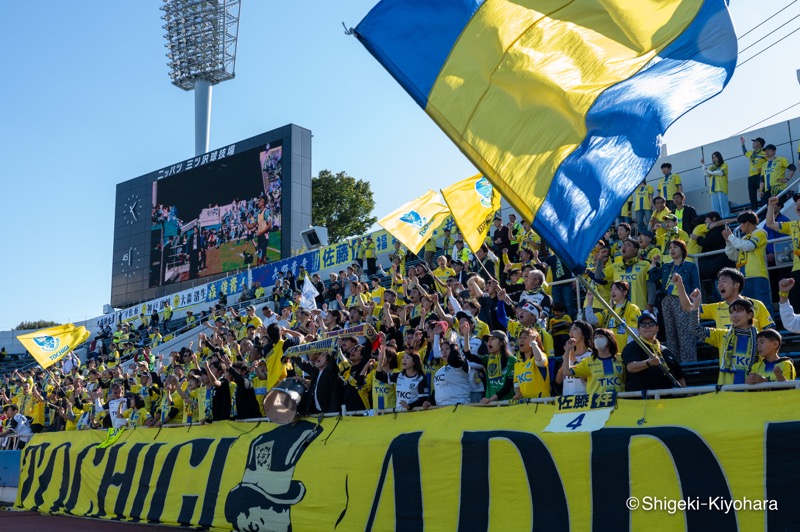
<point x="588" y="421"/>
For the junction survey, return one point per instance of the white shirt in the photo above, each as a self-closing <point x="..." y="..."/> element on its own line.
<point x="451" y="385"/>
<point x="574" y="385"/>
<point x="790" y="320"/>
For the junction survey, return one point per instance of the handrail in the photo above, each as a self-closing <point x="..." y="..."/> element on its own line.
<point x="650" y="394"/>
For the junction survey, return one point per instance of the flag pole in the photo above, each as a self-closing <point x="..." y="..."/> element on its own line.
<point x="634" y="334"/>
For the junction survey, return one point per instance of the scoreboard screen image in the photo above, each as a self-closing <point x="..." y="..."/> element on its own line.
<point x="234" y="208"/>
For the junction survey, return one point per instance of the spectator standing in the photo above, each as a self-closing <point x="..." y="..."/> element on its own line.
<point x="777" y="172"/>
<point x="669" y="184"/>
<point x="717" y="175"/>
<point x="750" y="254"/>
<point x="757" y="157"/>
<point x="371" y="255"/>
<point x="685" y="214"/>
<point x="678" y="325"/>
<point x="642" y="205"/>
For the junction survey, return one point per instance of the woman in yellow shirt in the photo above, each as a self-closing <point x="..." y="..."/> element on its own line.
<point x="603" y="370"/>
<point x="717" y="175"/>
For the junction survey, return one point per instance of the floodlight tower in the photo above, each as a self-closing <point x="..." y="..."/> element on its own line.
<point x="201" y="39"/>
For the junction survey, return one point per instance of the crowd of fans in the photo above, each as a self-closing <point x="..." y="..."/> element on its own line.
<point x="452" y="327"/>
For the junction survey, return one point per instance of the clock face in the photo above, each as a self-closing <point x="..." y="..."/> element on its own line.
<point x="132" y="209"/>
<point x="131" y="261"/>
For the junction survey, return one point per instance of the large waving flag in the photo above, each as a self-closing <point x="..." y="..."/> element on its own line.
<point x="559" y="103"/>
<point x="48" y="346"/>
<point x="413" y="223"/>
<point x="473" y="203"/>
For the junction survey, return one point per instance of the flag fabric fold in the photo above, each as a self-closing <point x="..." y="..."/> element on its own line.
<point x="48" y="346"/>
<point x="308" y="294"/>
<point x="473" y="203"/>
<point x="413" y="223"/>
<point x="559" y="103"/>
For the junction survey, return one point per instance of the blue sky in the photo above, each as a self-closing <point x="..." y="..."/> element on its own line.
<point x="86" y="102"/>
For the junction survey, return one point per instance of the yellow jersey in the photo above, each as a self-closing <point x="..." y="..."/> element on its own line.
<point x="532" y="381"/>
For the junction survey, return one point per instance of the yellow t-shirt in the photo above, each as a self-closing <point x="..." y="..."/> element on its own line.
<point x="718" y="312"/>
<point x="692" y="247"/>
<point x="774" y="173"/>
<point x="635" y="274"/>
<point x="629" y="313"/>
<point x="754" y="263"/>
<point x="602" y="374"/>
<point x="642" y="198"/>
<point x="765" y="369"/>
<point x="533" y="381"/>
<point x="757" y="160"/>
<point x="718" y="183"/>
<point x="793" y="229"/>
<point x="668" y="185"/>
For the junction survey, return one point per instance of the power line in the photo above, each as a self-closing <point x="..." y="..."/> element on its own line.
<point x="765" y="36"/>
<point x="748" y="128"/>
<point x="768" y="47"/>
<point x="767" y="19"/>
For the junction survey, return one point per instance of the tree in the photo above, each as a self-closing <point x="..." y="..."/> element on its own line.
<point x="341" y="203"/>
<point x="38" y="324"/>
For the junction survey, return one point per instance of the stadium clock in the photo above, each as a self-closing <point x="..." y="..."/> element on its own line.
<point x="131" y="261"/>
<point x="132" y="209"/>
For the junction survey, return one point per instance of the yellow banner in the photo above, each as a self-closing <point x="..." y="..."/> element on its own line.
<point x="473" y="202"/>
<point x="48" y="346"/>
<point x="725" y="461"/>
<point x="413" y="223"/>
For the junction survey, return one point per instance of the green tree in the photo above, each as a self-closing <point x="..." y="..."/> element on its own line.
<point x="341" y="203"/>
<point x="38" y="324"/>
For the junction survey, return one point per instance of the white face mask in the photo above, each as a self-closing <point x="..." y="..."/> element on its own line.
<point x="601" y="342"/>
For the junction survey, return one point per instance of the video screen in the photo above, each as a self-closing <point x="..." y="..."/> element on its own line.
<point x="219" y="217"/>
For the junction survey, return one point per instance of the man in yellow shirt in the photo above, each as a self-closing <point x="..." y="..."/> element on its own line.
<point x="669" y="185"/>
<point x="757" y="158"/>
<point x="792" y="229"/>
<point x="730" y="283"/>
<point x="642" y="205"/>
<point x="660" y="212"/>
<point x="750" y="253"/>
<point x="667" y="234"/>
<point x="630" y="269"/>
<point x="776" y="172"/>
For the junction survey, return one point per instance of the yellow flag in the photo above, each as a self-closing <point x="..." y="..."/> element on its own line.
<point x="473" y="202"/>
<point x="48" y="346"/>
<point x="413" y="223"/>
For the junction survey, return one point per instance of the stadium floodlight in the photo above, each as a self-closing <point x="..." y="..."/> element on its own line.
<point x="201" y="42"/>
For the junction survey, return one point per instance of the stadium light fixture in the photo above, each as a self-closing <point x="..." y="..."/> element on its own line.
<point x="201" y="42"/>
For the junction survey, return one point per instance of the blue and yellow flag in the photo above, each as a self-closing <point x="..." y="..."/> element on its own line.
<point x="559" y="103"/>
<point x="413" y="223"/>
<point x="473" y="203"/>
<point x="48" y="346"/>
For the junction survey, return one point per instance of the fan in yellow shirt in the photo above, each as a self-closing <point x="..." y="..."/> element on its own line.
<point x="531" y="374"/>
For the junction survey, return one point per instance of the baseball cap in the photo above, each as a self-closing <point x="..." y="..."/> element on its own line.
<point x="463" y="315"/>
<point x="759" y="139"/>
<point x="770" y="147"/>
<point x="499" y="334"/>
<point x="671" y="217"/>
<point x="644" y="316"/>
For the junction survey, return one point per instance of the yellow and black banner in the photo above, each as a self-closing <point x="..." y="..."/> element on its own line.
<point x="725" y="461"/>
